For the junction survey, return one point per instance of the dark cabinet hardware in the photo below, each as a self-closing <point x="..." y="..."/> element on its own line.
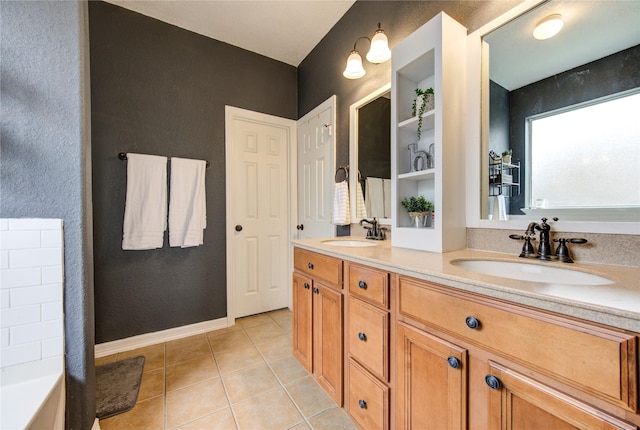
<point x="493" y="382"/>
<point x="453" y="362"/>
<point x="472" y="323"/>
<point x="300" y="226"/>
<point x="317" y="291"/>
<point x="310" y="266"/>
<point x="306" y="286"/>
<point x="362" y="336"/>
<point x="362" y="285"/>
<point x="363" y="404"/>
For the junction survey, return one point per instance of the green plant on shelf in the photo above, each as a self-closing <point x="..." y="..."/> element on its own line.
<point x="420" y="108"/>
<point x="417" y="205"/>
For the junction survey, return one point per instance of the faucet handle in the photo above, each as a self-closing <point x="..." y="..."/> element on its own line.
<point x="527" y="247"/>
<point x="562" y="252"/>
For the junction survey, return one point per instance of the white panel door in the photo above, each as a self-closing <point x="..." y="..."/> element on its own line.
<point x="316" y="167"/>
<point x="258" y="179"/>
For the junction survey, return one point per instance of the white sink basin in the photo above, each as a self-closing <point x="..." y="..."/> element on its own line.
<point x="532" y="272"/>
<point x="350" y="243"/>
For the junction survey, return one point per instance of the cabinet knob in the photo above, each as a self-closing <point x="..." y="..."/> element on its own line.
<point x="306" y="286"/>
<point x="362" y="336"/>
<point x="310" y="266"/>
<point x="317" y="291"/>
<point x="493" y="382"/>
<point x="362" y="285"/>
<point x="472" y="323"/>
<point x="453" y="362"/>
<point x="363" y="404"/>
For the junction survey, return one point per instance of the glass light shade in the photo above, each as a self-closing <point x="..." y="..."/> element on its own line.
<point x="354" y="69"/>
<point x="548" y="27"/>
<point x="379" y="52"/>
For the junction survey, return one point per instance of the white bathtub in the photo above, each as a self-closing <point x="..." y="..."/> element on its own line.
<point x="34" y="402"/>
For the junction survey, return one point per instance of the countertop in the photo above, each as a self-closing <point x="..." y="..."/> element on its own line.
<point x="616" y="304"/>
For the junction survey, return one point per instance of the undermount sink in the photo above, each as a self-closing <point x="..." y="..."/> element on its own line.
<point x="349" y="243"/>
<point x="532" y="272"/>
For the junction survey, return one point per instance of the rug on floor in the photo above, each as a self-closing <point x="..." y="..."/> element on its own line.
<point x="117" y="386"/>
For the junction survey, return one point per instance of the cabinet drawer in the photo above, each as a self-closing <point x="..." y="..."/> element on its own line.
<point x="369" y="337"/>
<point x="599" y="361"/>
<point x="317" y="265"/>
<point x="368" y="399"/>
<point x="370" y="284"/>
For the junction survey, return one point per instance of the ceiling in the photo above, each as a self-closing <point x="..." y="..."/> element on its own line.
<point x="283" y="30"/>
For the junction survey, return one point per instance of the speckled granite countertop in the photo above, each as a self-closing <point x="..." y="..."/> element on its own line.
<point x="616" y="304"/>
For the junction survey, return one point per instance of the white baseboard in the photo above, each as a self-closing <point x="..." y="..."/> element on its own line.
<point x="96" y="425"/>
<point x="134" y="342"/>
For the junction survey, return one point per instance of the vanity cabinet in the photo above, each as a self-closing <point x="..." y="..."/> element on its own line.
<point x="506" y="365"/>
<point x="434" y="56"/>
<point x="318" y="318"/>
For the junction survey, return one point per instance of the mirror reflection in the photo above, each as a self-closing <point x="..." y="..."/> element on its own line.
<point x="539" y="107"/>
<point x="370" y="156"/>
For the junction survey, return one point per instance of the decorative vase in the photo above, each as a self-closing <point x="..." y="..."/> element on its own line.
<point x="428" y="100"/>
<point x="506" y="159"/>
<point x="420" y="219"/>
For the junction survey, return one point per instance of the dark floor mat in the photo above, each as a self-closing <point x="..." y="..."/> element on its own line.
<point x="117" y="386"/>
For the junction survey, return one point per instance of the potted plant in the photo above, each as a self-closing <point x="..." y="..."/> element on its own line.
<point x="424" y="101"/>
<point x="419" y="210"/>
<point x="506" y="156"/>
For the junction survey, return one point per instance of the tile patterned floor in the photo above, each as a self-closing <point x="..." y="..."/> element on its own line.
<point x="241" y="377"/>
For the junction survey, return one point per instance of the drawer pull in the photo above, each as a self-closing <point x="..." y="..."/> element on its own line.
<point x="363" y="404"/>
<point x="472" y="323"/>
<point x="453" y="362"/>
<point x="310" y="266"/>
<point x="362" y="336"/>
<point x="362" y="285"/>
<point x="306" y="286"/>
<point x="493" y="382"/>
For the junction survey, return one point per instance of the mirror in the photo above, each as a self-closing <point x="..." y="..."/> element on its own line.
<point x="592" y="62"/>
<point x="370" y="156"/>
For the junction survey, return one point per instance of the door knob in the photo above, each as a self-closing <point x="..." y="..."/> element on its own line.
<point x="238" y="227"/>
<point x="300" y="226"/>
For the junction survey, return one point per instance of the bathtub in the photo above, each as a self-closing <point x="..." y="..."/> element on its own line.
<point x="32" y="397"/>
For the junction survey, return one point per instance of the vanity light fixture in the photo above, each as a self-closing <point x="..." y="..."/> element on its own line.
<point x="379" y="52"/>
<point x="548" y="27"/>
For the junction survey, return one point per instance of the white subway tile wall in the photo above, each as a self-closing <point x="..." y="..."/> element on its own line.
<point x="31" y="286"/>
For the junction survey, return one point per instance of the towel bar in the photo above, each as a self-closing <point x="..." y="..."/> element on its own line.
<point x="123" y="157"/>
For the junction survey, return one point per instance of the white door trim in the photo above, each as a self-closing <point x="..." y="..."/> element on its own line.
<point x="232" y="113"/>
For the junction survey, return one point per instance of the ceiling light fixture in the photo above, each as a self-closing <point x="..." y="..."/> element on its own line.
<point x="548" y="27"/>
<point x="379" y="52"/>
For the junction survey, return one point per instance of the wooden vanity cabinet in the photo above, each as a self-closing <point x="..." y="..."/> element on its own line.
<point x="318" y="318"/>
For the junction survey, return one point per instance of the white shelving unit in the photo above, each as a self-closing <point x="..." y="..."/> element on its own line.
<point x="433" y="56"/>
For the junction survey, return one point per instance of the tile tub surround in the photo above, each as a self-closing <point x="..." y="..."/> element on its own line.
<point x="616" y="305"/>
<point x="241" y="377"/>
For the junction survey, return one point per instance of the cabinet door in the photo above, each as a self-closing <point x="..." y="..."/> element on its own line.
<point x="327" y="340"/>
<point x="518" y="402"/>
<point x="302" y="321"/>
<point x="432" y="380"/>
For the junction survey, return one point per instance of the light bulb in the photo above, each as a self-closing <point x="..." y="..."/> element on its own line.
<point x="354" y="69"/>
<point x="379" y="51"/>
<point x="548" y="27"/>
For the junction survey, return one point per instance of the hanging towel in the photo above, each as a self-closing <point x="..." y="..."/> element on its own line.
<point x="375" y="198"/>
<point x="145" y="211"/>
<point x="341" y="210"/>
<point x="386" y="192"/>
<point x="361" y="210"/>
<point x="187" y="203"/>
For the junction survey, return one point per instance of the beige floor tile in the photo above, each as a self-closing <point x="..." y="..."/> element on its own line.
<point x="281" y="315"/>
<point x="250" y="382"/>
<point x="230" y="340"/>
<point x="194" y="402"/>
<point x="309" y="396"/>
<point x="282" y="414"/>
<point x="106" y="360"/>
<point x="264" y="332"/>
<point x="288" y="370"/>
<point x="253" y="320"/>
<point x="152" y="384"/>
<point x="333" y="419"/>
<point x="189" y="372"/>
<point x="187" y="348"/>
<point x="148" y="414"/>
<point x="153" y="356"/>
<point x="286" y="326"/>
<point x="224" y="330"/>
<point x="301" y="426"/>
<point x="276" y="348"/>
<point x="238" y="358"/>
<point x="221" y="420"/>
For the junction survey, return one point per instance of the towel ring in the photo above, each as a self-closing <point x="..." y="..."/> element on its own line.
<point x="346" y="173"/>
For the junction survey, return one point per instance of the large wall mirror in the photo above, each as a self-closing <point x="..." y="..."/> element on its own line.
<point x="370" y="156"/>
<point x="558" y="134"/>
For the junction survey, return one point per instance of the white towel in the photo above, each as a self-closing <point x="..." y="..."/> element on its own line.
<point x="386" y="192"/>
<point x="375" y="198"/>
<point x="187" y="202"/>
<point x="341" y="210"/>
<point x="145" y="211"/>
<point x="361" y="209"/>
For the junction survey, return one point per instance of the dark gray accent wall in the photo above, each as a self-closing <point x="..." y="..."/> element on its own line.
<point x="609" y="75"/>
<point x="498" y="117"/>
<point x="320" y="73"/>
<point x="46" y="155"/>
<point x="374" y="139"/>
<point x="159" y="89"/>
